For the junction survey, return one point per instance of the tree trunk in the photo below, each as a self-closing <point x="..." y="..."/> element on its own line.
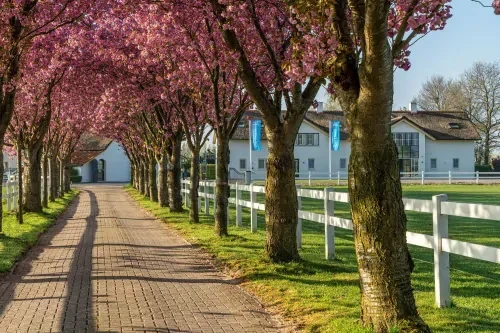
<point x="132" y="174"/>
<point x="487" y="148"/>
<point x="142" y="184"/>
<point x="174" y="176"/>
<point x="45" y="176"/>
<point x="67" y="176"/>
<point x="162" y="180"/>
<point x="32" y="179"/>
<point x="153" y="188"/>
<point x="281" y="200"/>
<point x="20" y="184"/>
<point x="54" y="184"/>
<point x="194" y="214"/>
<point x="146" y="178"/>
<point x="222" y="186"/>
<point x="61" y="178"/>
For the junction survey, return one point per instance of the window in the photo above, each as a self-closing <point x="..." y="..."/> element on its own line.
<point x="262" y="163"/>
<point x="456" y="163"/>
<point x="343" y="163"/>
<point x="243" y="164"/>
<point x="434" y="163"/>
<point x="310" y="164"/>
<point x="407" y="143"/>
<point x="307" y="139"/>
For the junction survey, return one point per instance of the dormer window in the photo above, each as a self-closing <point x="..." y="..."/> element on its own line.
<point x="455" y="125"/>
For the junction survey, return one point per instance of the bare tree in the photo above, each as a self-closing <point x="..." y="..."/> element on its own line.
<point x="440" y="94"/>
<point x="480" y="87"/>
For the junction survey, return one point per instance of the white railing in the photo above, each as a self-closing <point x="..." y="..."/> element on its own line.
<point x="438" y="241"/>
<point x="12" y="195"/>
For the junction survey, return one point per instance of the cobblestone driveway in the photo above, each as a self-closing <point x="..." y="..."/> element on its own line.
<point x="108" y="267"/>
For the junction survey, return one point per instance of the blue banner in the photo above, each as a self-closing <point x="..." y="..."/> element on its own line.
<point x="256" y="133"/>
<point x="335" y="135"/>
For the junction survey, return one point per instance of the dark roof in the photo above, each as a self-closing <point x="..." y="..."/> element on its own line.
<point x="437" y="124"/>
<point x="89" y="147"/>
<point x="440" y="125"/>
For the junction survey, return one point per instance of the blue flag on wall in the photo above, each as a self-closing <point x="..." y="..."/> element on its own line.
<point x="256" y="128"/>
<point x="335" y="135"/>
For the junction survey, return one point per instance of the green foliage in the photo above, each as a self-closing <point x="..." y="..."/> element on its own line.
<point x="483" y="168"/>
<point x="76" y="179"/>
<point x="208" y="171"/>
<point x="323" y="296"/>
<point x="74" y="172"/>
<point x="17" y="239"/>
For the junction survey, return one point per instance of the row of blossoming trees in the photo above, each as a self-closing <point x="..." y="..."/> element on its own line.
<point x="151" y="74"/>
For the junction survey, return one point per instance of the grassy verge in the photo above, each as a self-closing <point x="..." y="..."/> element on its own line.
<point x="323" y="296"/>
<point x="16" y="238"/>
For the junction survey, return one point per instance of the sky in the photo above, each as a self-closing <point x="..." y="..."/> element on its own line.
<point x="472" y="34"/>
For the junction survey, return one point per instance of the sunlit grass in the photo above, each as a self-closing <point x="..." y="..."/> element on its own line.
<point x="17" y="238"/>
<point x="323" y="296"/>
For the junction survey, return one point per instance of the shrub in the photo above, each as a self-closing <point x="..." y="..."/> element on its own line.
<point x="76" y="179"/>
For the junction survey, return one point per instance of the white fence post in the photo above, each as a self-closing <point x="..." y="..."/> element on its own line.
<point x="449" y="177"/>
<point x="423" y="177"/>
<point x="299" y="220"/>
<point x="207" y="200"/>
<point x="309" y="178"/>
<point x="253" y="211"/>
<point x="215" y="202"/>
<point x="441" y="259"/>
<point x="186" y="194"/>
<point x="238" y="206"/>
<point x="329" y="229"/>
<point x="15" y="195"/>
<point x="338" y="177"/>
<point x="477" y="177"/>
<point x="199" y="199"/>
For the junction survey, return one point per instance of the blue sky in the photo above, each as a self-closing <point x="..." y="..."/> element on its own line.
<point x="472" y="34"/>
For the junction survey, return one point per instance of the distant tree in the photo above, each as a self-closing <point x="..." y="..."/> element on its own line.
<point x="440" y="94"/>
<point x="480" y="88"/>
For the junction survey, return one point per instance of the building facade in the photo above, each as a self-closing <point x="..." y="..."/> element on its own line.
<point x="434" y="142"/>
<point x="101" y="160"/>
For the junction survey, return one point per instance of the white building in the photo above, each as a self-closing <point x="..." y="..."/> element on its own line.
<point x="427" y="141"/>
<point x="101" y="160"/>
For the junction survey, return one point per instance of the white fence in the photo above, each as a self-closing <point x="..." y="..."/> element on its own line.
<point x="421" y="177"/>
<point x="438" y="242"/>
<point x="11" y="195"/>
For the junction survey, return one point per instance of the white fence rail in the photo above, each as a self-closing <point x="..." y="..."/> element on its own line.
<point x="439" y="207"/>
<point x="422" y="177"/>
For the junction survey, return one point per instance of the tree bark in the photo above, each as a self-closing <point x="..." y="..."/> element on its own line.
<point x="45" y="176"/>
<point x="61" y="178"/>
<point x="174" y="174"/>
<point x="32" y="179"/>
<point x="142" y="184"/>
<point x="20" y="184"/>
<point x="162" y="180"/>
<point x="487" y="149"/>
<point x="146" y="178"/>
<point x="67" y="176"/>
<point x="153" y="188"/>
<point x="222" y="186"/>
<point x="2" y="170"/>
<point x="132" y="174"/>
<point x="194" y="214"/>
<point x="54" y="177"/>
<point x="281" y="199"/>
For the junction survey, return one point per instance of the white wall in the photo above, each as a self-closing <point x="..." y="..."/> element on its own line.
<point x="445" y="151"/>
<point x="117" y="167"/>
<point x="9" y="161"/>
<point x="239" y="149"/>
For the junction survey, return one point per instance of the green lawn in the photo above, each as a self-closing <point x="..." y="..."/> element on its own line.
<point x="16" y="238"/>
<point x="324" y="296"/>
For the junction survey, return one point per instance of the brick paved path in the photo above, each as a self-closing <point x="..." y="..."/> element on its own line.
<point x="108" y="267"/>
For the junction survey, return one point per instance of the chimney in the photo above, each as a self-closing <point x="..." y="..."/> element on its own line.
<point x="319" y="109"/>
<point x="413" y="106"/>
